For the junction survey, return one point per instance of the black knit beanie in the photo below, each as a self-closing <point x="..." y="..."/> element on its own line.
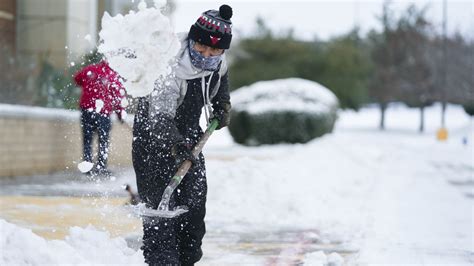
<point x="213" y="28"/>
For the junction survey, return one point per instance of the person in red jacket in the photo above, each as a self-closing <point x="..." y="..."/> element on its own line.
<point x="102" y="94"/>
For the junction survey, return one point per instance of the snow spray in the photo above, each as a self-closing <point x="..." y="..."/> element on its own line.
<point x="139" y="46"/>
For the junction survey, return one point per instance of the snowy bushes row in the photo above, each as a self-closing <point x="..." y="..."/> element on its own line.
<point x="282" y="111"/>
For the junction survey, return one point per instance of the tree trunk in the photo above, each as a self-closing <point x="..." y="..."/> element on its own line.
<point x="422" y="119"/>
<point x="383" y="107"/>
<point x="443" y="114"/>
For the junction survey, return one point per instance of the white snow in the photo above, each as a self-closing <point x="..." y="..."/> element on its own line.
<point x="85" y="166"/>
<point x="99" y="104"/>
<point x="292" y="94"/>
<point x="124" y="114"/>
<point x="124" y="102"/>
<point x="43" y="113"/>
<point x="88" y="38"/>
<point x="317" y="258"/>
<point x="21" y="111"/>
<point x="139" y="46"/>
<point x="386" y="195"/>
<point x="83" y="246"/>
<point x="335" y="259"/>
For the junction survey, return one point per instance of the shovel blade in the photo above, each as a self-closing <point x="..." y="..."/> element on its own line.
<point x="148" y="212"/>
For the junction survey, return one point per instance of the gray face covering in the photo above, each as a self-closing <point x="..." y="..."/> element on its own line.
<point x="210" y="63"/>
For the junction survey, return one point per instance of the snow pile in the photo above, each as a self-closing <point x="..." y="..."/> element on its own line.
<point x="292" y="94"/>
<point x="311" y="186"/>
<point x="83" y="246"/>
<point x="318" y="258"/>
<point x="140" y="46"/>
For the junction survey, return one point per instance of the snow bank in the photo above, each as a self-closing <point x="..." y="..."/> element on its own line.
<point x="140" y="46"/>
<point x="21" y="111"/>
<point x="83" y="246"/>
<point x="292" y="94"/>
<point x="311" y="186"/>
<point x="46" y="113"/>
<point x="400" y="118"/>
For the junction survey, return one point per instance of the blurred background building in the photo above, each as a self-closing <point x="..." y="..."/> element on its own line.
<point x="42" y="43"/>
<point x="56" y="30"/>
<point x="7" y="22"/>
<point x="46" y="28"/>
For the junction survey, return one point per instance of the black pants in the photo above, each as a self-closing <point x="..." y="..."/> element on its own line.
<point x="92" y="122"/>
<point x="174" y="241"/>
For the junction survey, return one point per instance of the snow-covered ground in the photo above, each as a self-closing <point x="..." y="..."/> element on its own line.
<point x="393" y="197"/>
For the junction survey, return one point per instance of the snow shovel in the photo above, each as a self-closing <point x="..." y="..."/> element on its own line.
<point x="163" y="208"/>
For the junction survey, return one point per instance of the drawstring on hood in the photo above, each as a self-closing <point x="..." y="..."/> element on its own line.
<point x="205" y="96"/>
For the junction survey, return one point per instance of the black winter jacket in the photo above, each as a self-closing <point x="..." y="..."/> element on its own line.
<point x="161" y="130"/>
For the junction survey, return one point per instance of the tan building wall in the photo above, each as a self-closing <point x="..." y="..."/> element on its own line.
<point x="45" y="28"/>
<point x="36" y="141"/>
<point x="7" y="23"/>
<point x="81" y="21"/>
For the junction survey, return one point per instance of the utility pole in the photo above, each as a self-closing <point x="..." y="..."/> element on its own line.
<point x="442" y="133"/>
<point x="445" y="67"/>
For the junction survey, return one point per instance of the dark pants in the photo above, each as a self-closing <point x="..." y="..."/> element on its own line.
<point x="92" y="122"/>
<point x="174" y="241"/>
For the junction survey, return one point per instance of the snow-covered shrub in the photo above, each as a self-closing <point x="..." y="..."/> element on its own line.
<point x="282" y="111"/>
<point x="469" y="109"/>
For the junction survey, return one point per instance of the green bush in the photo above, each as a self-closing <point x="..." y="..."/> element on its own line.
<point x="282" y="111"/>
<point x="282" y="127"/>
<point x="469" y="109"/>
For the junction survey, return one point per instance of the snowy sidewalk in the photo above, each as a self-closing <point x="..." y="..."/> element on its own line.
<point x="417" y="215"/>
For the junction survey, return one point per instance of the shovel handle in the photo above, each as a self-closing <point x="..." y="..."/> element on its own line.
<point x="184" y="167"/>
<point x="198" y="147"/>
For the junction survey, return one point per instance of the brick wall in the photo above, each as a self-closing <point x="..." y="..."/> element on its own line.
<point x="37" y="140"/>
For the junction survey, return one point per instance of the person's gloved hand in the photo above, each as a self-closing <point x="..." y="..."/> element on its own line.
<point x="222" y="115"/>
<point x="181" y="153"/>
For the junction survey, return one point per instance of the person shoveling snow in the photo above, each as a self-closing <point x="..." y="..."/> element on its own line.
<point x="166" y="126"/>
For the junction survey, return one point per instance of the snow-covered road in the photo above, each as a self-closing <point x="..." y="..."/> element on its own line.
<point x="358" y="196"/>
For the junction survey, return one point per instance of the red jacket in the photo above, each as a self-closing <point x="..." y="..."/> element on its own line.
<point x="100" y="82"/>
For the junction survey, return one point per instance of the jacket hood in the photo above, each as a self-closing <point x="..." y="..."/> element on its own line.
<point x="184" y="68"/>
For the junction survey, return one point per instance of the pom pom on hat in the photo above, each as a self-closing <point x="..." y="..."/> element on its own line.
<point x="225" y="12"/>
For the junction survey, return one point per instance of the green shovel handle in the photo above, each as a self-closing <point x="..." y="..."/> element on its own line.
<point x="213" y="125"/>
